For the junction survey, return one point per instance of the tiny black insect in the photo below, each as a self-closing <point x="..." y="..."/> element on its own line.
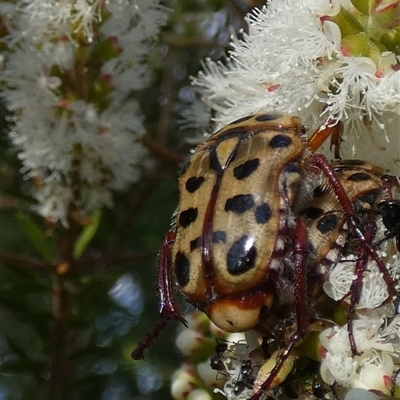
<point x="216" y="361"/>
<point x="320" y="390"/>
<point x="246" y="378"/>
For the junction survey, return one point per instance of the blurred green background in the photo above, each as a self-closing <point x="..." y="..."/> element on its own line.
<point x="82" y="350"/>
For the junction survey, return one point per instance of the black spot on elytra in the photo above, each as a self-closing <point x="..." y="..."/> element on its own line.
<point x="313" y="213"/>
<point x="370" y="197"/>
<point x="359" y="176"/>
<point x="246" y="169"/>
<point x="268" y="117"/>
<point x="240" y="204"/>
<point x="263" y="213"/>
<point x="293" y="167"/>
<point x="328" y="223"/>
<point x="182" y="269"/>
<point x="240" y="258"/>
<point x="311" y="247"/>
<point x="219" y="236"/>
<point x="188" y="216"/>
<point x="195" y="243"/>
<point x="238" y="121"/>
<point x="280" y="141"/>
<point x="366" y="200"/>
<point x="193" y="183"/>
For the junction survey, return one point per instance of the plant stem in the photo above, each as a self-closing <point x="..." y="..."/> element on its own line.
<point x="25" y="262"/>
<point x="59" y="365"/>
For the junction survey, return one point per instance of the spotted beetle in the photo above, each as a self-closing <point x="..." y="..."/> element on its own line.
<point x="364" y="186"/>
<point x="243" y="242"/>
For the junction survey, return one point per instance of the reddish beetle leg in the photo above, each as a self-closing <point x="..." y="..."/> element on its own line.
<point x="300" y="292"/>
<point x="168" y="308"/>
<point x="356" y="286"/>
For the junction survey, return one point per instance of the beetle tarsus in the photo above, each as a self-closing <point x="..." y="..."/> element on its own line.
<point x="165" y="317"/>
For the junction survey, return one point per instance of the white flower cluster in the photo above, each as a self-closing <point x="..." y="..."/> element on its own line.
<point x="378" y="345"/>
<point x="69" y="76"/>
<point x="295" y="59"/>
<point x="376" y="327"/>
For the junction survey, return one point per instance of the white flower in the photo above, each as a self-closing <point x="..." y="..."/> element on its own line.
<point x="199" y="394"/>
<point x="374" y="290"/>
<point x="183" y="382"/>
<point x="46" y="17"/>
<point x="295" y="59"/>
<point x="196" y="115"/>
<point x="377" y="345"/>
<point x="72" y="130"/>
<point x="209" y="376"/>
<point x="189" y="341"/>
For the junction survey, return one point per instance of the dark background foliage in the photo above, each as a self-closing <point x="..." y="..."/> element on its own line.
<point x="68" y="334"/>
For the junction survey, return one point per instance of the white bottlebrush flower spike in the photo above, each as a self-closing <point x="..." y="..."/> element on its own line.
<point x="309" y="58"/>
<point x="69" y="76"/>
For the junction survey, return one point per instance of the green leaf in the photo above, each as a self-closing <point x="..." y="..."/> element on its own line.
<point x="21" y="335"/>
<point x="36" y="236"/>
<point x="87" y="235"/>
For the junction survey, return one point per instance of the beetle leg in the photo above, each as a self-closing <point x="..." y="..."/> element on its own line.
<point x="300" y="285"/>
<point x="300" y="292"/>
<point x="356" y="286"/>
<point x="168" y="308"/>
<point x="336" y="140"/>
<point x="390" y="183"/>
<point x="318" y="138"/>
<point x="324" y="165"/>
